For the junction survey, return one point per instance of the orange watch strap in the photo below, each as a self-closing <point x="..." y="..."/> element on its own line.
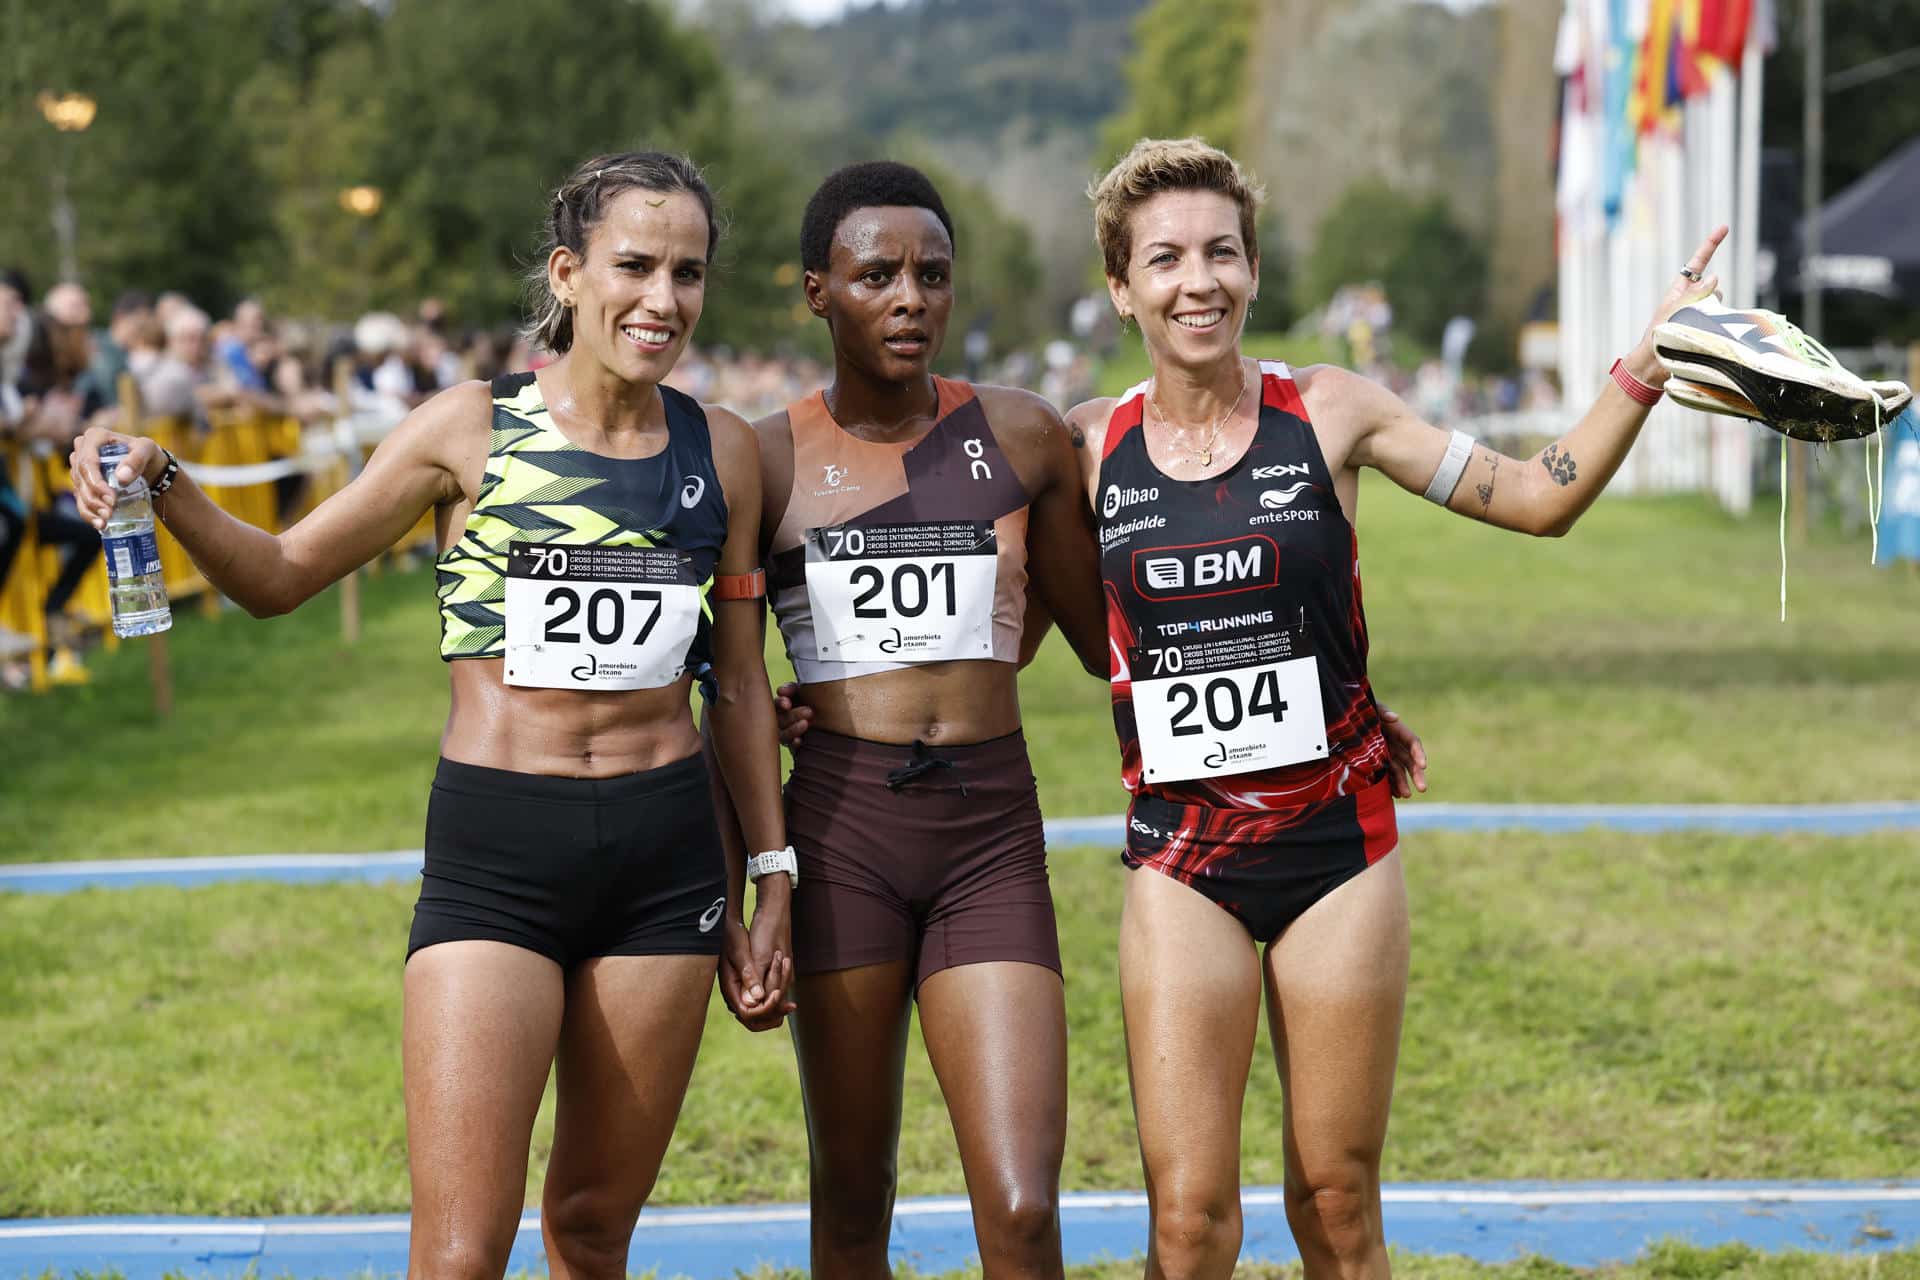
<point x="740" y="586"/>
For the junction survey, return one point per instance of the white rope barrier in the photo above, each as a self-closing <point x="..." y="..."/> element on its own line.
<point x="322" y="448"/>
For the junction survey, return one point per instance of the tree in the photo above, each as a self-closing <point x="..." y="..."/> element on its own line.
<point x="166" y="191"/>
<point x="1431" y="268"/>
<point x="1188" y="74"/>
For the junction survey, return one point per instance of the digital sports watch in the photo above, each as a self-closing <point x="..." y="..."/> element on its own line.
<point x="761" y="864"/>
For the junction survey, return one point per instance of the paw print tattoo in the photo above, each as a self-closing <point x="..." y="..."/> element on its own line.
<point x="1560" y="465"/>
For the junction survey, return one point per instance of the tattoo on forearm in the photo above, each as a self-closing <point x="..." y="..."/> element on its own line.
<point x="1486" y="490"/>
<point x="1560" y="465"/>
<point x="1079" y="437"/>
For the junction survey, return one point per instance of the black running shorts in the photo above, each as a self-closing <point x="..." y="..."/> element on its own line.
<point x="573" y="867"/>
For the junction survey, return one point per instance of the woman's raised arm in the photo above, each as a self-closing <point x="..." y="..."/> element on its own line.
<point x="417" y="468"/>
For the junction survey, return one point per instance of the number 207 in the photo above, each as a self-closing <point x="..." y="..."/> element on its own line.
<point x="606" y="614"/>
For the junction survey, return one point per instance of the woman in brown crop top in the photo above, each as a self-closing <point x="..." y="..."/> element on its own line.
<point x="912" y="805"/>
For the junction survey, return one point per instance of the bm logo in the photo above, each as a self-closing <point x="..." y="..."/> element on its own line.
<point x="1207" y="568"/>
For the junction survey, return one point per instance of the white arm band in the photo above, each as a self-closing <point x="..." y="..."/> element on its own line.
<point x="1452" y="467"/>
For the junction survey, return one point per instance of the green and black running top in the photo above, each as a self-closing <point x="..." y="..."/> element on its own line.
<point x="541" y="488"/>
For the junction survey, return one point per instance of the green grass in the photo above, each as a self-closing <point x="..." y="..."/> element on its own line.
<point x="1637" y="660"/>
<point x="1587" y="1007"/>
<point x="1582" y="1007"/>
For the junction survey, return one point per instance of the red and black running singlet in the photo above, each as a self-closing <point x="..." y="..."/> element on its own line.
<point x="1238" y="644"/>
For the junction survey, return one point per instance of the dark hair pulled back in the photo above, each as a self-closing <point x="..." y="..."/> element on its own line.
<point x="576" y="209"/>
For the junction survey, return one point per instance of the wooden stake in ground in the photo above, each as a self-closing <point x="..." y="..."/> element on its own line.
<point x="349" y="585"/>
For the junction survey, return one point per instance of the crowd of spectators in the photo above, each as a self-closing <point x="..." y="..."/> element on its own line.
<point x="62" y="369"/>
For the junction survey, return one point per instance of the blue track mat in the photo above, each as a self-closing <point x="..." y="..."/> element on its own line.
<point x="1828" y="820"/>
<point x="1579" y="1224"/>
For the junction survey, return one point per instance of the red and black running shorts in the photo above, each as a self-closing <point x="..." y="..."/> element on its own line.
<point x="933" y="855"/>
<point x="1265" y="867"/>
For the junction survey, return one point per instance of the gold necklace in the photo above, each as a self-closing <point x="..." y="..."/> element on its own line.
<point x="1205" y="455"/>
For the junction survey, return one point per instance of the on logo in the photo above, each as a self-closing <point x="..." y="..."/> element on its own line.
<point x="1207" y="569"/>
<point x="977" y="451"/>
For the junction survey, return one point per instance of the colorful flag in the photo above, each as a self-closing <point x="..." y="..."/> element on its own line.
<point x="1654" y="70"/>
<point x="1723" y="29"/>
<point x="1620" y="50"/>
<point x="1688" y="54"/>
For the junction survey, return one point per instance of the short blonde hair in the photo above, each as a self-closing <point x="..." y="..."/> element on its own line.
<point x="1155" y="165"/>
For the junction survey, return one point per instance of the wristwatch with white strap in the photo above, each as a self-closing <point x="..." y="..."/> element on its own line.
<point x="761" y="864"/>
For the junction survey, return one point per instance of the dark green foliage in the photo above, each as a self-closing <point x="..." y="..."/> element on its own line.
<point x="1866" y="124"/>
<point x="1187" y="74"/>
<point x="1431" y="268"/>
<point x="166" y="190"/>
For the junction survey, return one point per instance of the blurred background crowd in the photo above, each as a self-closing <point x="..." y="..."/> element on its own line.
<point x="282" y="219"/>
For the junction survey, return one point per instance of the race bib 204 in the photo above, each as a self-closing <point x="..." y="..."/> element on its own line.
<point x="902" y="592"/>
<point x="1208" y="707"/>
<point x="582" y="617"/>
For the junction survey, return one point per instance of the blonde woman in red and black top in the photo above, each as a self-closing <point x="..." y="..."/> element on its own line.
<point x="1225" y="488"/>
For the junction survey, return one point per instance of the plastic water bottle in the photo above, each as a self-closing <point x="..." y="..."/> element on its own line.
<point x="133" y="556"/>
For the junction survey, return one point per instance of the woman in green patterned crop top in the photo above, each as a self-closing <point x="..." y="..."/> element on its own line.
<point x="575" y="896"/>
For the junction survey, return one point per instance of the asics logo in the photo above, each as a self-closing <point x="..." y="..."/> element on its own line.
<point x="1280" y="472"/>
<point x="693" y="491"/>
<point x="711" y="916"/>
<point x="1273" y="499"/>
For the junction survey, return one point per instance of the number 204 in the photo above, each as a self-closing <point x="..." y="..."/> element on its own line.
<point x="606" y="614"/>
<point x="1221" y="705"/>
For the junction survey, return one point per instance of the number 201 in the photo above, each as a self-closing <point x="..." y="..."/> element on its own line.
<point x="922" y="582"/>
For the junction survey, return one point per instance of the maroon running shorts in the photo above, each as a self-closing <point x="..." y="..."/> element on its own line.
<point x="933" y="855"/>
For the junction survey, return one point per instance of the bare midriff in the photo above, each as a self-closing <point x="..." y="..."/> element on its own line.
<point x="936" y="702"/>
<point x="564" y="733"/>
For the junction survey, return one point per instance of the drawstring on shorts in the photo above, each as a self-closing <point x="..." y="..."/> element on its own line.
<point x="919" y="766"/>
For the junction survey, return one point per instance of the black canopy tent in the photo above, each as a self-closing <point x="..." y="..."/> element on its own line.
<point x="1870" y="232"/>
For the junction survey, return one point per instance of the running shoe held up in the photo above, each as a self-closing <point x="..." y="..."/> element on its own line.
<point x="1759" y="364"/>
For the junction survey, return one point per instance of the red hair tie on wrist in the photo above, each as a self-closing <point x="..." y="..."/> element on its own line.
<point x="1638" y="390"/>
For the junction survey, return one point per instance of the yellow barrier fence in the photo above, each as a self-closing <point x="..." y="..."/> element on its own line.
<point x="229" y="440"/>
